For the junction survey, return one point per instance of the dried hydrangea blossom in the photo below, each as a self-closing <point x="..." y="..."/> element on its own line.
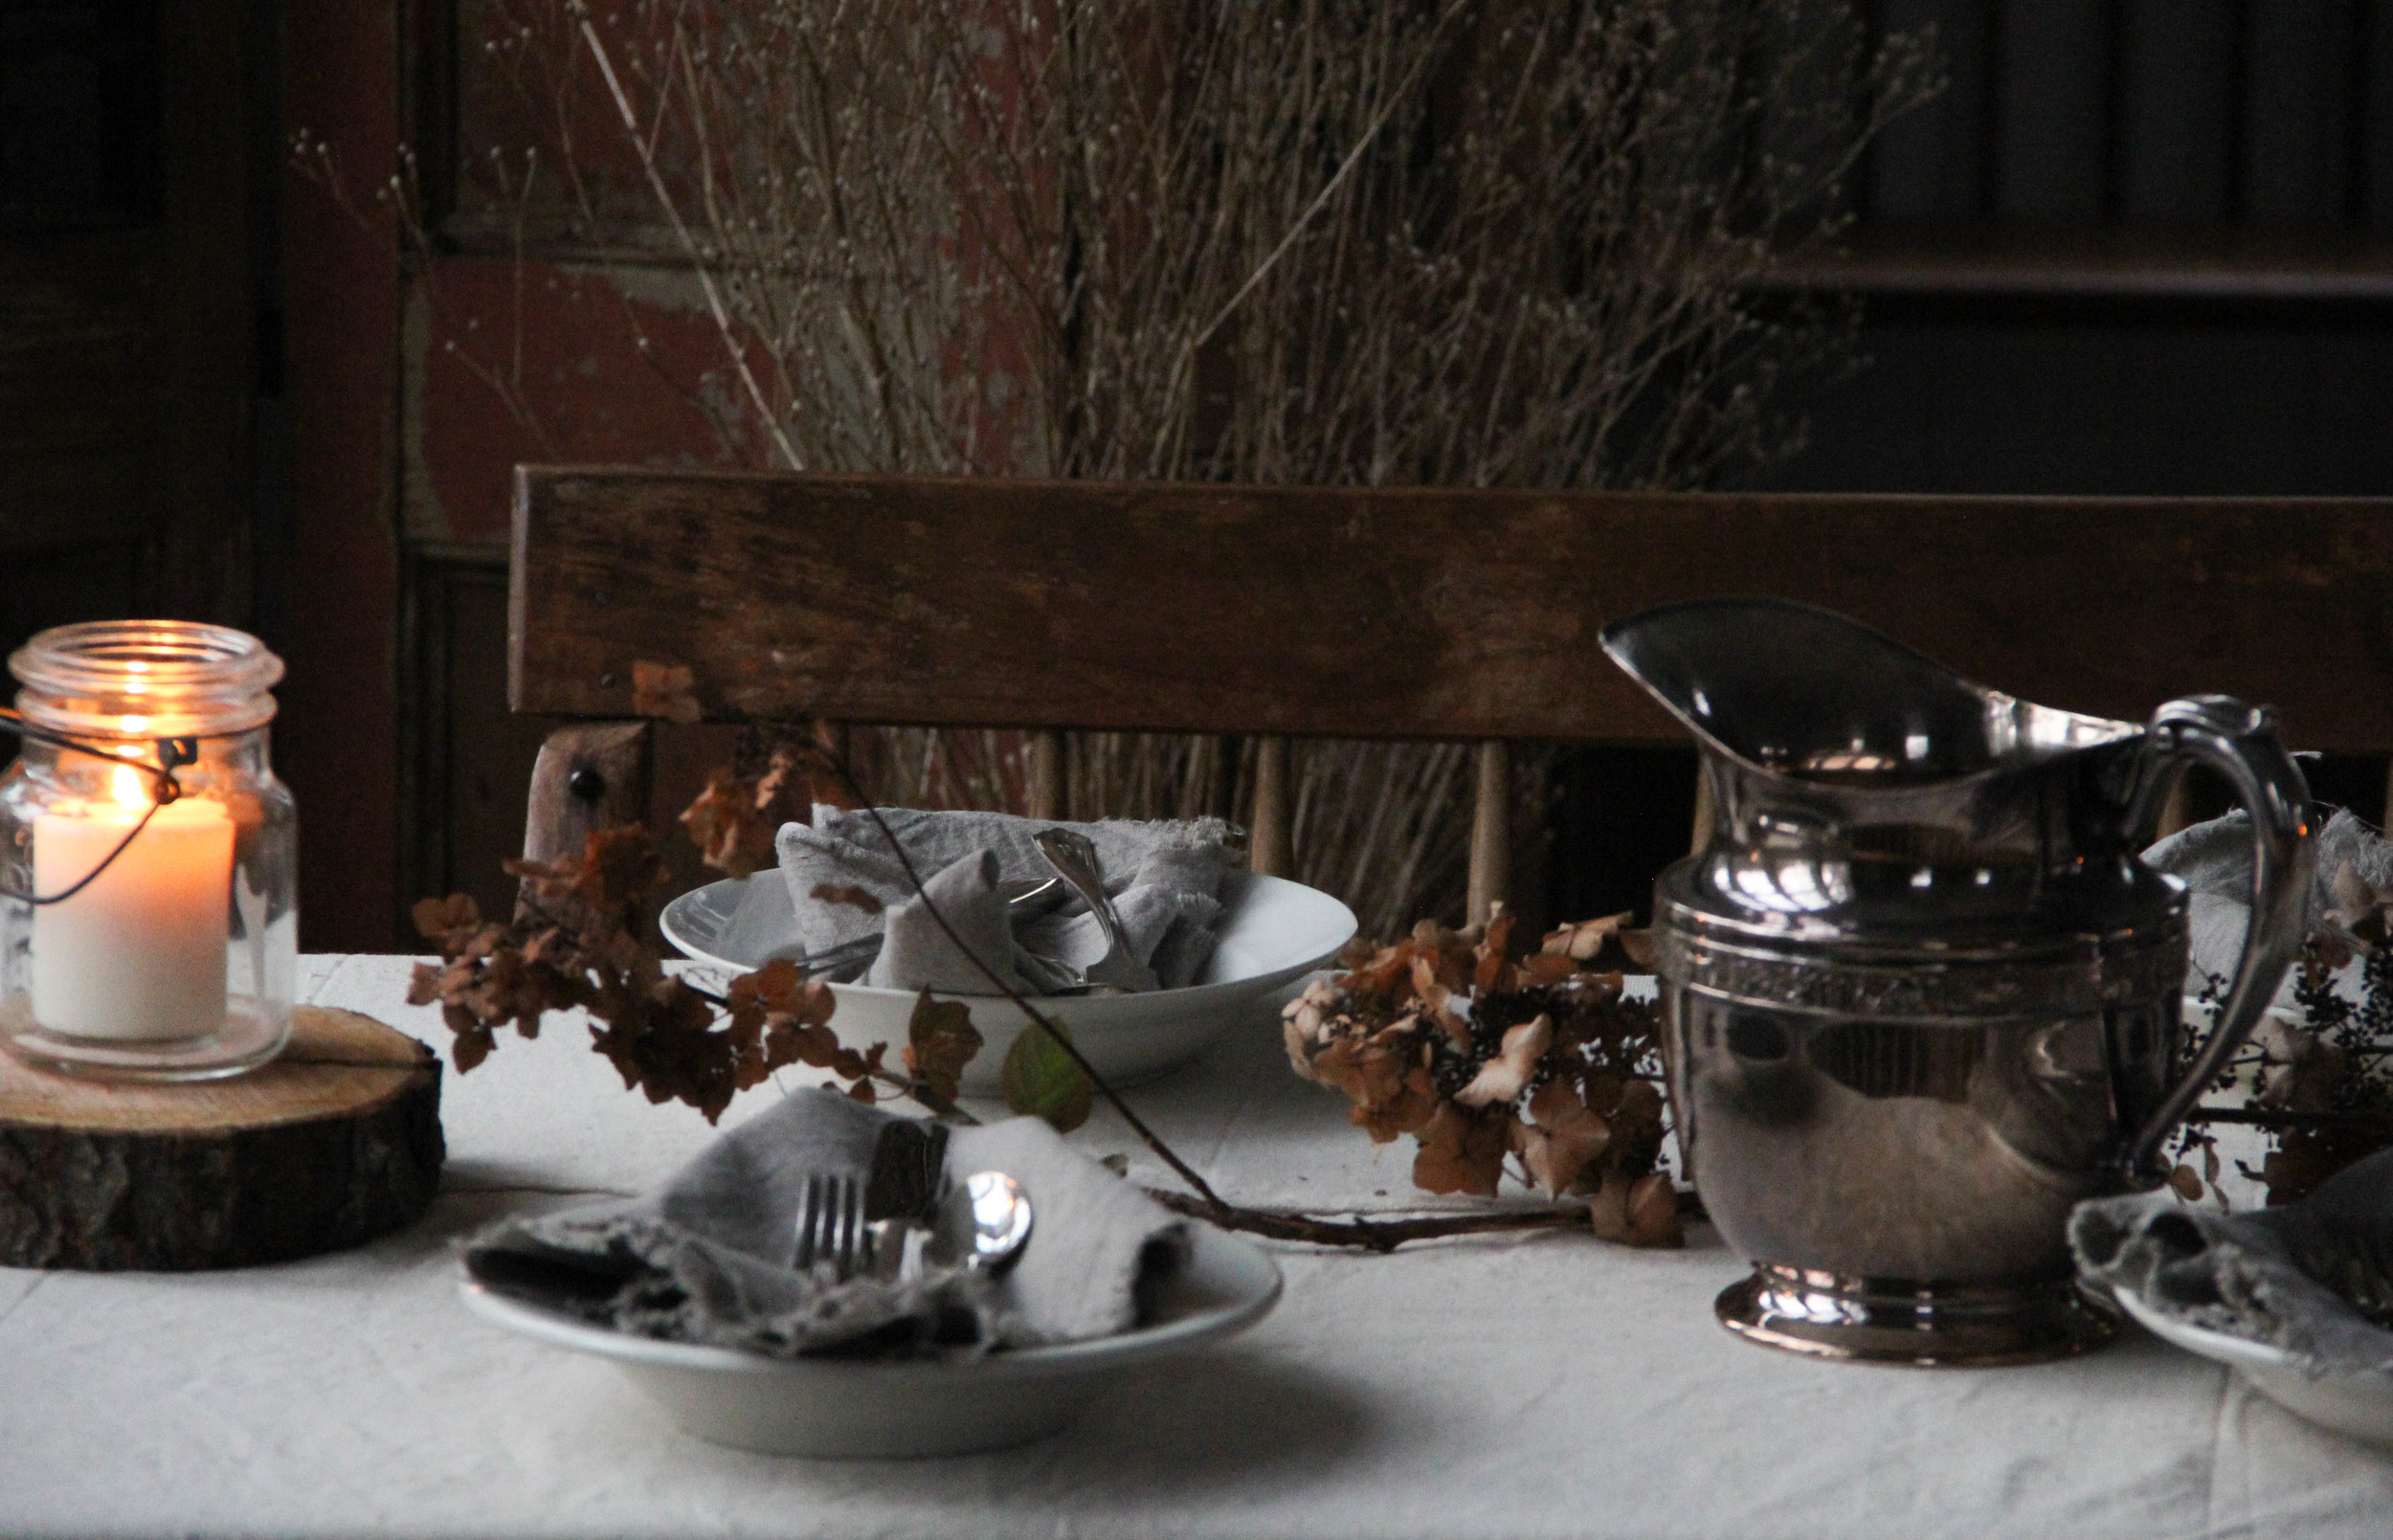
<point x="1483" y="1059"/>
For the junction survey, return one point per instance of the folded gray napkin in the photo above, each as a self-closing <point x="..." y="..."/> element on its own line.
<point x="840" y="880"/>
<point x="2306" y="1277"/>
<point x="706" y="1258"/>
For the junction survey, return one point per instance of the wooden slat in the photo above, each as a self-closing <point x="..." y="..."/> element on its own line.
<point x="2176" y="808"/>
<point x="2177" y="81"/>
<point x="831" y="737"/>
<point x="1046" y="775"/>
<point x="1414" y="613"/>
<point x="1268" y="844"/>
<point x="2298" y="105"/>
<point x="1699" y="831"/>
<point x="1930" y="163"/>
<point x="1491" y="833"/>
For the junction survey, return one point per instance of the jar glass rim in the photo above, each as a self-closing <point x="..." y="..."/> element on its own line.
<point x="146" y="677"/>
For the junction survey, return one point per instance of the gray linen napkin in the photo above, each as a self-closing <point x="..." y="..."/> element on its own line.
<point x="705" y="1258"/>
<point x="916" y="953"/>
<point x="1164" y="878"/>
<point x="2299" y="1277"/>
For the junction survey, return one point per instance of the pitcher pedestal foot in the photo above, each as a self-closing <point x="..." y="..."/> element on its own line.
<point x="1889" y="1321"/>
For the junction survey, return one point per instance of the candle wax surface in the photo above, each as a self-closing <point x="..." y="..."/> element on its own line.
<point x="139" y="955"/>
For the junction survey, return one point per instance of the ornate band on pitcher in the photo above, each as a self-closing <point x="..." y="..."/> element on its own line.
<point x="2075" y="982"/>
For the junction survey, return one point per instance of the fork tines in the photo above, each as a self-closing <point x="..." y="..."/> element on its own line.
<point x="831" y="1224"/>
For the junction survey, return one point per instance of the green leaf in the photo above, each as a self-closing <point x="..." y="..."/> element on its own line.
<point x="1041" y="1081"/>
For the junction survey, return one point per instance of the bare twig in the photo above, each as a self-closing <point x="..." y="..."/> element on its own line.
<point x="1386" y="1235"/>
<point x="1372" y="1235"/>
<point x="734" y="340"/>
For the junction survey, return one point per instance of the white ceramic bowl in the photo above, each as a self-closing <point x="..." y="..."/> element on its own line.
<point x="2359" y="1406"/>
<point x="846" y="1409"/>
<point x="1272" y="930"/>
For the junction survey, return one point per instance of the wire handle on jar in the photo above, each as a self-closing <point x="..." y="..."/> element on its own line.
<point x="173" y="753"/>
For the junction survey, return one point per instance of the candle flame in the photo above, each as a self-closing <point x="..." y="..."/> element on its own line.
<point x="132" y="724"/>
<point x="127" y="789"/>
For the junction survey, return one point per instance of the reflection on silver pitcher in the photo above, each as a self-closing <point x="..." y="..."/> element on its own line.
<point x="1921" y="996"/>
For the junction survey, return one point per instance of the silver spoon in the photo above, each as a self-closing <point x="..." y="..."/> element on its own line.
<point x="1075" y="860"/>
<point x="982" y="1225"/>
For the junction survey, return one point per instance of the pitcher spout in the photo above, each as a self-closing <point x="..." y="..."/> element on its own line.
<point x="1859" y="786"/>
<point x="1796" y="690"/>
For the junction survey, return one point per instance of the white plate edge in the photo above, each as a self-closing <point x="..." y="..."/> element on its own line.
<point x="1092" y="1356"/>
<point x="2200" y="1341"/>
<point x="1253" y="982"/>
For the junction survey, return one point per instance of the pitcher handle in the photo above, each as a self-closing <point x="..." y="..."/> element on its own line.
<point x="2240" y="743"/>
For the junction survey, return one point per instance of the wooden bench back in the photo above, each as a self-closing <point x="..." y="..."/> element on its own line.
<point x="1395" y="614"/>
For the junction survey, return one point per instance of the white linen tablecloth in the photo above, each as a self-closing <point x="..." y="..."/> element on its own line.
<point x="1521" y="1387"/>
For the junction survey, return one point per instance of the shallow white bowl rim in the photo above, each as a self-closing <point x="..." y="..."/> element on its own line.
<point x="2203" y="1340"/>
<point x="1242" y="1270"/>
<point x="1336" y="927"/>
<point x="2228" y="1348"/>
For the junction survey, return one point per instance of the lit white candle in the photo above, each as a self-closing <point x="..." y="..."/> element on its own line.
<point x="140" y="954"/>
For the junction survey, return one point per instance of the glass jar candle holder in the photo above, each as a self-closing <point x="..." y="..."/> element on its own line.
<point x="147" y="931"/>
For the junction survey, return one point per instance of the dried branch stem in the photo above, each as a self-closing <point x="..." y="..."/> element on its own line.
<point x="1386" y="1235"/>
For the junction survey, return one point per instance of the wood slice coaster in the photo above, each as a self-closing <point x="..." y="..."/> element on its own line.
<point x="334" y="1143"/>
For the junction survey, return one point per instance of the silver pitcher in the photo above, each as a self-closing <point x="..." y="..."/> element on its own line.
<point x="1921" y="996"/>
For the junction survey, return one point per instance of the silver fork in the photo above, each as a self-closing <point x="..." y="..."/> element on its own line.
<point x="831" y="1225"/>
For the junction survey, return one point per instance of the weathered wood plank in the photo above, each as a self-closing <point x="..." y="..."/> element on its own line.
<point x="1434" y="613"/>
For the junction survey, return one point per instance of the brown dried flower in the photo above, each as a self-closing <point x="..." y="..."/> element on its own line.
<point x="666" y="1038"/>
<point x="1477" y="1057"/>
<point x="734" y="820"/>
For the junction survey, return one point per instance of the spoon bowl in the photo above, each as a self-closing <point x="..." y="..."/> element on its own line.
<point x="982" y="1225"/>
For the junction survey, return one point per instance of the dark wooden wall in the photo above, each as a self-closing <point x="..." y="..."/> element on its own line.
<point x="2138" y="246"/>
<point x="2135" y="247"/>
<point x="2264" y="116"/>
<point x="138" y="382"/>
